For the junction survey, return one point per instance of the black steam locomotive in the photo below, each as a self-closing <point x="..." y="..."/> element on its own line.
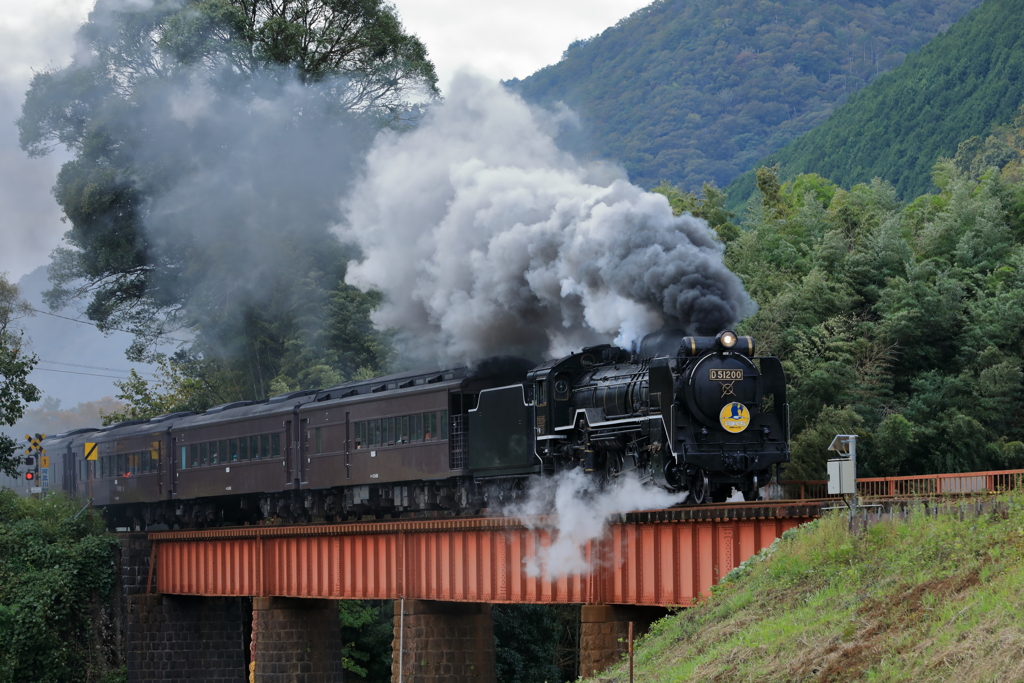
<point x="702" y="414"/>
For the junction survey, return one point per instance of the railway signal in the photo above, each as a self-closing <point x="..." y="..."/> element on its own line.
<point x="35" y="456"/>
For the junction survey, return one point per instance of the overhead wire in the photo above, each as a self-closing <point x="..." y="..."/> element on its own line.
<point x="92" y="367"/>
<point x="88" y="322"/>
<point x="71" y="372"/>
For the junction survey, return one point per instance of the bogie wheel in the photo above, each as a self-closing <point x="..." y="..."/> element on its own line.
<point x="700" y="489"/>
<point x="752" y="494"/>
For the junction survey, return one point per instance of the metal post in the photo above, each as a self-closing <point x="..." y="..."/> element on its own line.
<point x="853" y="458"/>
<point x="631" y="652"/>
<point x="401" y="638"/>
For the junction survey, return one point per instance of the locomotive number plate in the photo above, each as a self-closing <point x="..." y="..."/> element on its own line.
<point x="720" y="375"/>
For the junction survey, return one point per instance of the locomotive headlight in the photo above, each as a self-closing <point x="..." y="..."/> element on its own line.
<point x="727" y="339"/>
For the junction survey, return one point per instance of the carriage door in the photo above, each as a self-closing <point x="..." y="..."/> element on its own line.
<point x="177" y="452"/>
<point x="348" y="447"/>
<point x="289" y="455"/>
<point x="303" y="459"/>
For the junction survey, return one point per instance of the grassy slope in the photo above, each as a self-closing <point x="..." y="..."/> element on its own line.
<point x="931" y="599"/>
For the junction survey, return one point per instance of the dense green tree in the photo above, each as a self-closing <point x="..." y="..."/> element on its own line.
<point x="709" y="205"/>
<point x="16" y="392"/>
<point x="903" y="323"/>
<point x="367" y="631"/>
<point x="54" y="565"/>
<point x="535" y="643"/>
<point x="211" y="142"/>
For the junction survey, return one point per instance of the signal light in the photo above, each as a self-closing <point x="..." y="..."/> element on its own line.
<point x="30" y="475"/>
<point x="30" y="461"/>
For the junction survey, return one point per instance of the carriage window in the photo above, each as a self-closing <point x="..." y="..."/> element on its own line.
<point x="391" y="431"/>
<point x="214" y="454"/>
<point x="264" y="445"/>
<point x="184" y="458"/>
<point x="122" y="464"/>
<point x="194" y="453"/>
<point x="540" y="395"/>
<point x="430" y="426"/>
<point x="444" y="424"/>
<point x="204" y="454"/>
<point x="243" y="448"/>
<point x="254" y="447"/>
<point x="223" y="452"/>
<point x="145" y="461"/>
<point x="275" y="445"/>
<point x="233" y="449"/>
<point x="417" y="427"/>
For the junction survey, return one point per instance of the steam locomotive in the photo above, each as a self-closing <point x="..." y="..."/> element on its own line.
<point x="702" y="414"/>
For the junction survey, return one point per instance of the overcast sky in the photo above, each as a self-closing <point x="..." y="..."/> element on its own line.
<point x="500" y="40"/>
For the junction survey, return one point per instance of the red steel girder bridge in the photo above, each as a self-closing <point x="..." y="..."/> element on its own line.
<point x="664" y="557"/>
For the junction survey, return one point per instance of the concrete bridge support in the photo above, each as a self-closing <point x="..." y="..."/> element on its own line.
<point x="451" y="642"/>
<point x="295" y="641"/>
<point x="604" y="633"/>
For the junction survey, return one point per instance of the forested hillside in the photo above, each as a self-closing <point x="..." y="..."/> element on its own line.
<point x="690" y="91"/>
<point x="957" y="86"/>
<point x="900" y="322"/>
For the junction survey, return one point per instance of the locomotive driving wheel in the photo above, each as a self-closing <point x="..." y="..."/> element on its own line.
<point x="700" y="488"/>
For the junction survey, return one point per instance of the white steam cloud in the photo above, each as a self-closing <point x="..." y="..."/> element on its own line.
<point x="486" y="239"/>
<point x="578" y="513"/>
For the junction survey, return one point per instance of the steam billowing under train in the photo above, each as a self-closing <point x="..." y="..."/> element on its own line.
<point x="701" y="414"/>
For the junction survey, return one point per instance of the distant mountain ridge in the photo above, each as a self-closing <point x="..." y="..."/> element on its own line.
<point x="694" y="90"/>
<point x="959" y="85"/>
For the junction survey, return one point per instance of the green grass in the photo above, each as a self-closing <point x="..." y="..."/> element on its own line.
<point x="929" y="599"/>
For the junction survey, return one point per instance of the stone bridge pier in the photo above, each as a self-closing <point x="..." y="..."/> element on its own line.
<point x="442" y="641"/>
<point x="604" y="633"/>
<point x="193" y="639"/>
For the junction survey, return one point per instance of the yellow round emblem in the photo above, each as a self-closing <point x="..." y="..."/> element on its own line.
<point x="734" y="417"/>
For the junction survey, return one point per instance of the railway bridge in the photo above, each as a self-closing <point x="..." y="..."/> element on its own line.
<point x="212" y="605"/>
